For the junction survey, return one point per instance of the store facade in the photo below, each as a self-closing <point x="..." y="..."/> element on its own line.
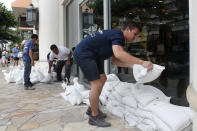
<point x="167" y="37"/>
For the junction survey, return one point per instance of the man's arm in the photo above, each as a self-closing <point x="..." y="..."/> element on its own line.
<point x="50" y="65"/>
<point x="117" y="62"/>
<point x="31" y="57"/>
<point x="128" y="59"/>
<point x="69" y="58"/>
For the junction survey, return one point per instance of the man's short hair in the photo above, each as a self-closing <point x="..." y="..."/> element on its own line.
<point x="73" y="49"/>
<point x="34" y="36"/>
<point x="53" y="47"/>
<point x="131" y="25"/>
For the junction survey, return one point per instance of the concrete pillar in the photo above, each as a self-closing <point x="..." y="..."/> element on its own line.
<point x="107" y="25"/>
<point x="62" y="19"/>
<point x="192" y="89"/>
<point x="48" y="26"/>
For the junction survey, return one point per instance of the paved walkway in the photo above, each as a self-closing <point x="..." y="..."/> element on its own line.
<point x="45" y="110"/>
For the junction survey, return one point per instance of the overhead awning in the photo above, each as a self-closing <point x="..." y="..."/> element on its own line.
<point x="25" y="28"/>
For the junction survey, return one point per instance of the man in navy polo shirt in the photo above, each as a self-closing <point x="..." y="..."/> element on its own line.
<point x="28" y="61"/>
<point x="89" y="55"/>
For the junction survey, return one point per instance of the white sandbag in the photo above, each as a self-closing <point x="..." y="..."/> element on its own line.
<point x="75" y="97"/>
<point x="78" y="86"/>
<point x="85" y="94"/>
<point x="86" y="101"/>
<point x="161" y="126"/>
<point x="47" y="78"/>
<point x="118" y="111"/>
<point x="3" y="71"/>
<point x="64" y="85"/>
<point x="124" y="89"/>
<point x="145" y="127"/>
<point x="6" y="75"/>
<point x="111" y="97"/>
<point x="40" y="75"/>
<point x="109" y="106"/>
<point x="142" y="75"/>
<point x="103" y="100"/>
<point x="105" y="93"/>
<point x="116" y="96"/>
<point x="112" y="77"/>
<point x="10" y="77"/>
<point x="131" y="121"/>
<point x="129" y="101"/>
<point x="54" y="76"/>
<point x="173" y="116"/>
<point x="145" y="94"/>
<point x="149" y="125"/>
<point x="114" y="103"/>
<point x="69" y="89"/>
<point x="20" y="78"/>
<point x="64" y="96"/>
<point x="111" y="85"/>
<point x="20" y="81"/>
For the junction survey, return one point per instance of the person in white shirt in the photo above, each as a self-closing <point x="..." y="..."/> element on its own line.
<point x="63" y="56"/>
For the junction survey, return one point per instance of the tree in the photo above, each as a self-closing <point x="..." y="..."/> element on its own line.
<point x="7" y="22"/>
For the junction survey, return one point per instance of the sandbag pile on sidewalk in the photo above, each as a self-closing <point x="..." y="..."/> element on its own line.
<point x="142" y="106"/>
<point x="75" y="94"/>
<point x="38" y="74"/>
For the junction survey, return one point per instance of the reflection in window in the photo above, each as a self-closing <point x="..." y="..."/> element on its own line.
<point x="164" y="40"/>
<point x="92" y="16"/>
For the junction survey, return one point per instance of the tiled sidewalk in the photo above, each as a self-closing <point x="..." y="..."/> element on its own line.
<point x="45" y="110"/>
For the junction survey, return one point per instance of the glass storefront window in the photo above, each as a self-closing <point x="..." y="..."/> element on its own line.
<point x="164" y="40"/>
<point x="92" y="15"/>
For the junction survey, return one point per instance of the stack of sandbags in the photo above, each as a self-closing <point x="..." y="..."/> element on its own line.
<point x="15" y="75"/>
<point x="38" y="74"/>
<point x="75" y="94"/>
<point x="142" y="106"/>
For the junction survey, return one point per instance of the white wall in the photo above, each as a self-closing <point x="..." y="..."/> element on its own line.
<point x="193" y="44"/>
<point x="49" y="26"/>
<point x="62" y="18"/>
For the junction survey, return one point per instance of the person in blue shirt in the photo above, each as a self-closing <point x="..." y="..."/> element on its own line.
<point x="28" y="61"/>
<point x="90" y="53"/>
<point x="15" y="52"/>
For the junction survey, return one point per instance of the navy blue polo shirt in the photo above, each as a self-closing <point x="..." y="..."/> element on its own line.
<point x="28" y="46"/>
<point x="99" y="45"/>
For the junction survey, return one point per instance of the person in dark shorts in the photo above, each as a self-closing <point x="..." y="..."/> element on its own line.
<point x="15" y="52"/>
<point x="90" y="53"/>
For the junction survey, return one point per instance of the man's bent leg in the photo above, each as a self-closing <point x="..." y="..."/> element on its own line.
<point x="103" y="79"/>
<point x="27" y="71"/>
<point x="96" y="88"/>
<point x="59" y="67"/>
<point x="68" y="71"/>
